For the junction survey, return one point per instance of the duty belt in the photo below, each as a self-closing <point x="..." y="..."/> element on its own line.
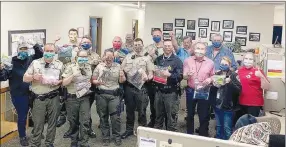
<point x="167" y="89"/>
<point x="71" y="96"/>
<point x="49" y="95"/>
<point x="110" y="92"/>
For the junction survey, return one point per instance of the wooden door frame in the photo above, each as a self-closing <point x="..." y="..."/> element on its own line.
<point x="136" y="28"/>
<point x="99" y="33"/>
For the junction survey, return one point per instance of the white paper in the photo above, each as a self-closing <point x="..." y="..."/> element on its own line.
<point x="271" y="95"/>
<point x="147" y="142"/>
<point x="42" y="35"/>
<point x="274" y="65"/>
<point x="166" y="144"/>
<point x="15" y="37"/>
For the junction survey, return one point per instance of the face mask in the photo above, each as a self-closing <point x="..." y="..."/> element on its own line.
<point x="199" y="53"/>
<point x="48" y="55"/>
<point x="224" y="67"/>
<point x="82" y="60"/>
<point x="216" y="44"/>
<point x="157" y="39"/>
<point x="22" y="55"/>
<point x="248" y="63"/>
<point x="86" y="46"/>
<point x="116" y="45"/>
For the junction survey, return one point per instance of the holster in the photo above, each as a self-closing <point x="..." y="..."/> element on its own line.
<point x="31" y="99"/>
<point x="63" y="94"/>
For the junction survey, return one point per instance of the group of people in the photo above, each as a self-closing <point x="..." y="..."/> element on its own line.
<point x="157" y="73"/>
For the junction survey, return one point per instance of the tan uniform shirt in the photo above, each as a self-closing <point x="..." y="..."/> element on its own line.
<point x="151" y="47"/>
<point x="38" y="67"/>
<point x="74" y="67"/>
<point x="93" y="59"/>
<point x="108" y="75"/>
<point x="128" y="46"/>
<point x="140" y="61"/>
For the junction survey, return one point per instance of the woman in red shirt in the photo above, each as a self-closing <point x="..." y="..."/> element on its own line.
<point x="253" y="81"/>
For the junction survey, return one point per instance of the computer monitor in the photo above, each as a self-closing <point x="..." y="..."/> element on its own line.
<point x="148" y="137"/>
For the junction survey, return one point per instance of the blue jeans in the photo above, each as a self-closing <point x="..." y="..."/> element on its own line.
<point x="21" y="104"/>
<point x="223" y="123"/>
<point x="203" y="110"/>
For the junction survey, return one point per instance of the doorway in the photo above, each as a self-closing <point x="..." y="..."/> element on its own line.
<point x="95" y="24"/>
<point x="277" y="34"/>
<point x="134" y="28"/>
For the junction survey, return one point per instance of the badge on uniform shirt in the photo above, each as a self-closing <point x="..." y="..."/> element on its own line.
<point x="169" y="68"/>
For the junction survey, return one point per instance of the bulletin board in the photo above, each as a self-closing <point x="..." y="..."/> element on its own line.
<point x="30" y="36"/>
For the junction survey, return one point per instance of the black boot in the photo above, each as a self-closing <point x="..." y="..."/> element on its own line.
<point x="151" y="124"/>
<point x="24" y="141"/>
<point x="61" y="121"/>
<point x="68" y="134"/>
<point x="91" y="134"/>
<point x="126" y="134"/>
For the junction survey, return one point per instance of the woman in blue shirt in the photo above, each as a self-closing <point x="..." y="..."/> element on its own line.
<point x="19" y="90"/>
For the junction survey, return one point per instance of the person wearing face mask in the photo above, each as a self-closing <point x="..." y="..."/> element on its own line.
<point x="253" y="82"/>
<point x="107" y="76"/>
<point x="93" y="60"/>
<point x="119" y="51"/>
<point x="229" y="87"/>
<point x="44" y="74"/>
<point x="128" y="43"/>
<point x="166" y="97"/>
<point x="215" y="52"/>
<point x="135" y="98"/>
<point x="76" y="78"/>
<point x="198" y="70"/>
<point x="153" y="50"/>
<point x="19" y="90"/>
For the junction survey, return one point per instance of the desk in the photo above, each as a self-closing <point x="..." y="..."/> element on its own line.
<point x="8" y="118"/>
<point x="282" y="120"/>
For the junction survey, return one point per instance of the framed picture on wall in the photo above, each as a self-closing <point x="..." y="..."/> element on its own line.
<point x="203" y="22"/>
<point x="191" y="34"/>
<point x="211" y="36"/>
<point x="166" y="36"/>
<point x="154" y="29"/>
<point x="179" y="35"/>
<point x="227" y="36"/>
<point x="228" y="24"/>
<point x="254" y="37"/>
<point x="241" y="40"/>
<point x="241" y="30"/>
<point x="215" y="26"/>
<point x="203" y="32"/>
<point x="167" y="26"/>
<point x="179" y="22"/>
<point x="191" y="25"/>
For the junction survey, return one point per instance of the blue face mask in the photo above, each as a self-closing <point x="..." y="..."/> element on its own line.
<point x="22" y="55"/>
<point x="49" y="55"/>
<point x="86" y="46"/>
<point x="216" y="44"/>
<point x="224" y="67"/>
<point x="157" y="39"/>
<point x="82" y="60"/>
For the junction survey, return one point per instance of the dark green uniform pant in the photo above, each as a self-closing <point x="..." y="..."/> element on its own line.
<point x="108" y="106"/>
<point x="78" y="114"/>
<point x="135" y="98"/>
<point x="166" y="104"/>
<point x="51" y="107"/>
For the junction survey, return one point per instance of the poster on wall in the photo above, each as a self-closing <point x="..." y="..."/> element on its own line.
<point x="203" y="32"/>
<point x="191" y="34"/>
<point x="167" y="26"/>
<point x="274" y="68"/>
<point x="179" y="22"/>
<point x="191" y="25"/>
<point x="203" y="22"/>
<point x="241" y="30"/>
<point x="16" y="37"/>
<point x="179" y="35"/>
<point x="227" y="36"/>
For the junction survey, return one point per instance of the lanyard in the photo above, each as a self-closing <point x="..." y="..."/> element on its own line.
<point x="198" y="70"/>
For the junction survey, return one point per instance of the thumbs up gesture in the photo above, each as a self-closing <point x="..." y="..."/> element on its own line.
<point x="258" y="73"/>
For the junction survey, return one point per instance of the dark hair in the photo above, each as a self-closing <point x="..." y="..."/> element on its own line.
<point x="108" y="50"/>
<point x="138" y="39"/>
<point x="73" y="30"/>
<point x="156" y="29"/>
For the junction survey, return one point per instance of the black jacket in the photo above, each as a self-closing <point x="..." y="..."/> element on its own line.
<point x="176" y="70"/>
<point x="229" y="93"/>
<point x="15" y="76"/>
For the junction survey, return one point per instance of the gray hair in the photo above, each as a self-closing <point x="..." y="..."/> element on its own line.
<point x="216" y="35"/>
<point x="187" y="37"/>
<point x="51" y="45"/>
<point x="81" y="51"/>
<point x="202" y="43"/>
